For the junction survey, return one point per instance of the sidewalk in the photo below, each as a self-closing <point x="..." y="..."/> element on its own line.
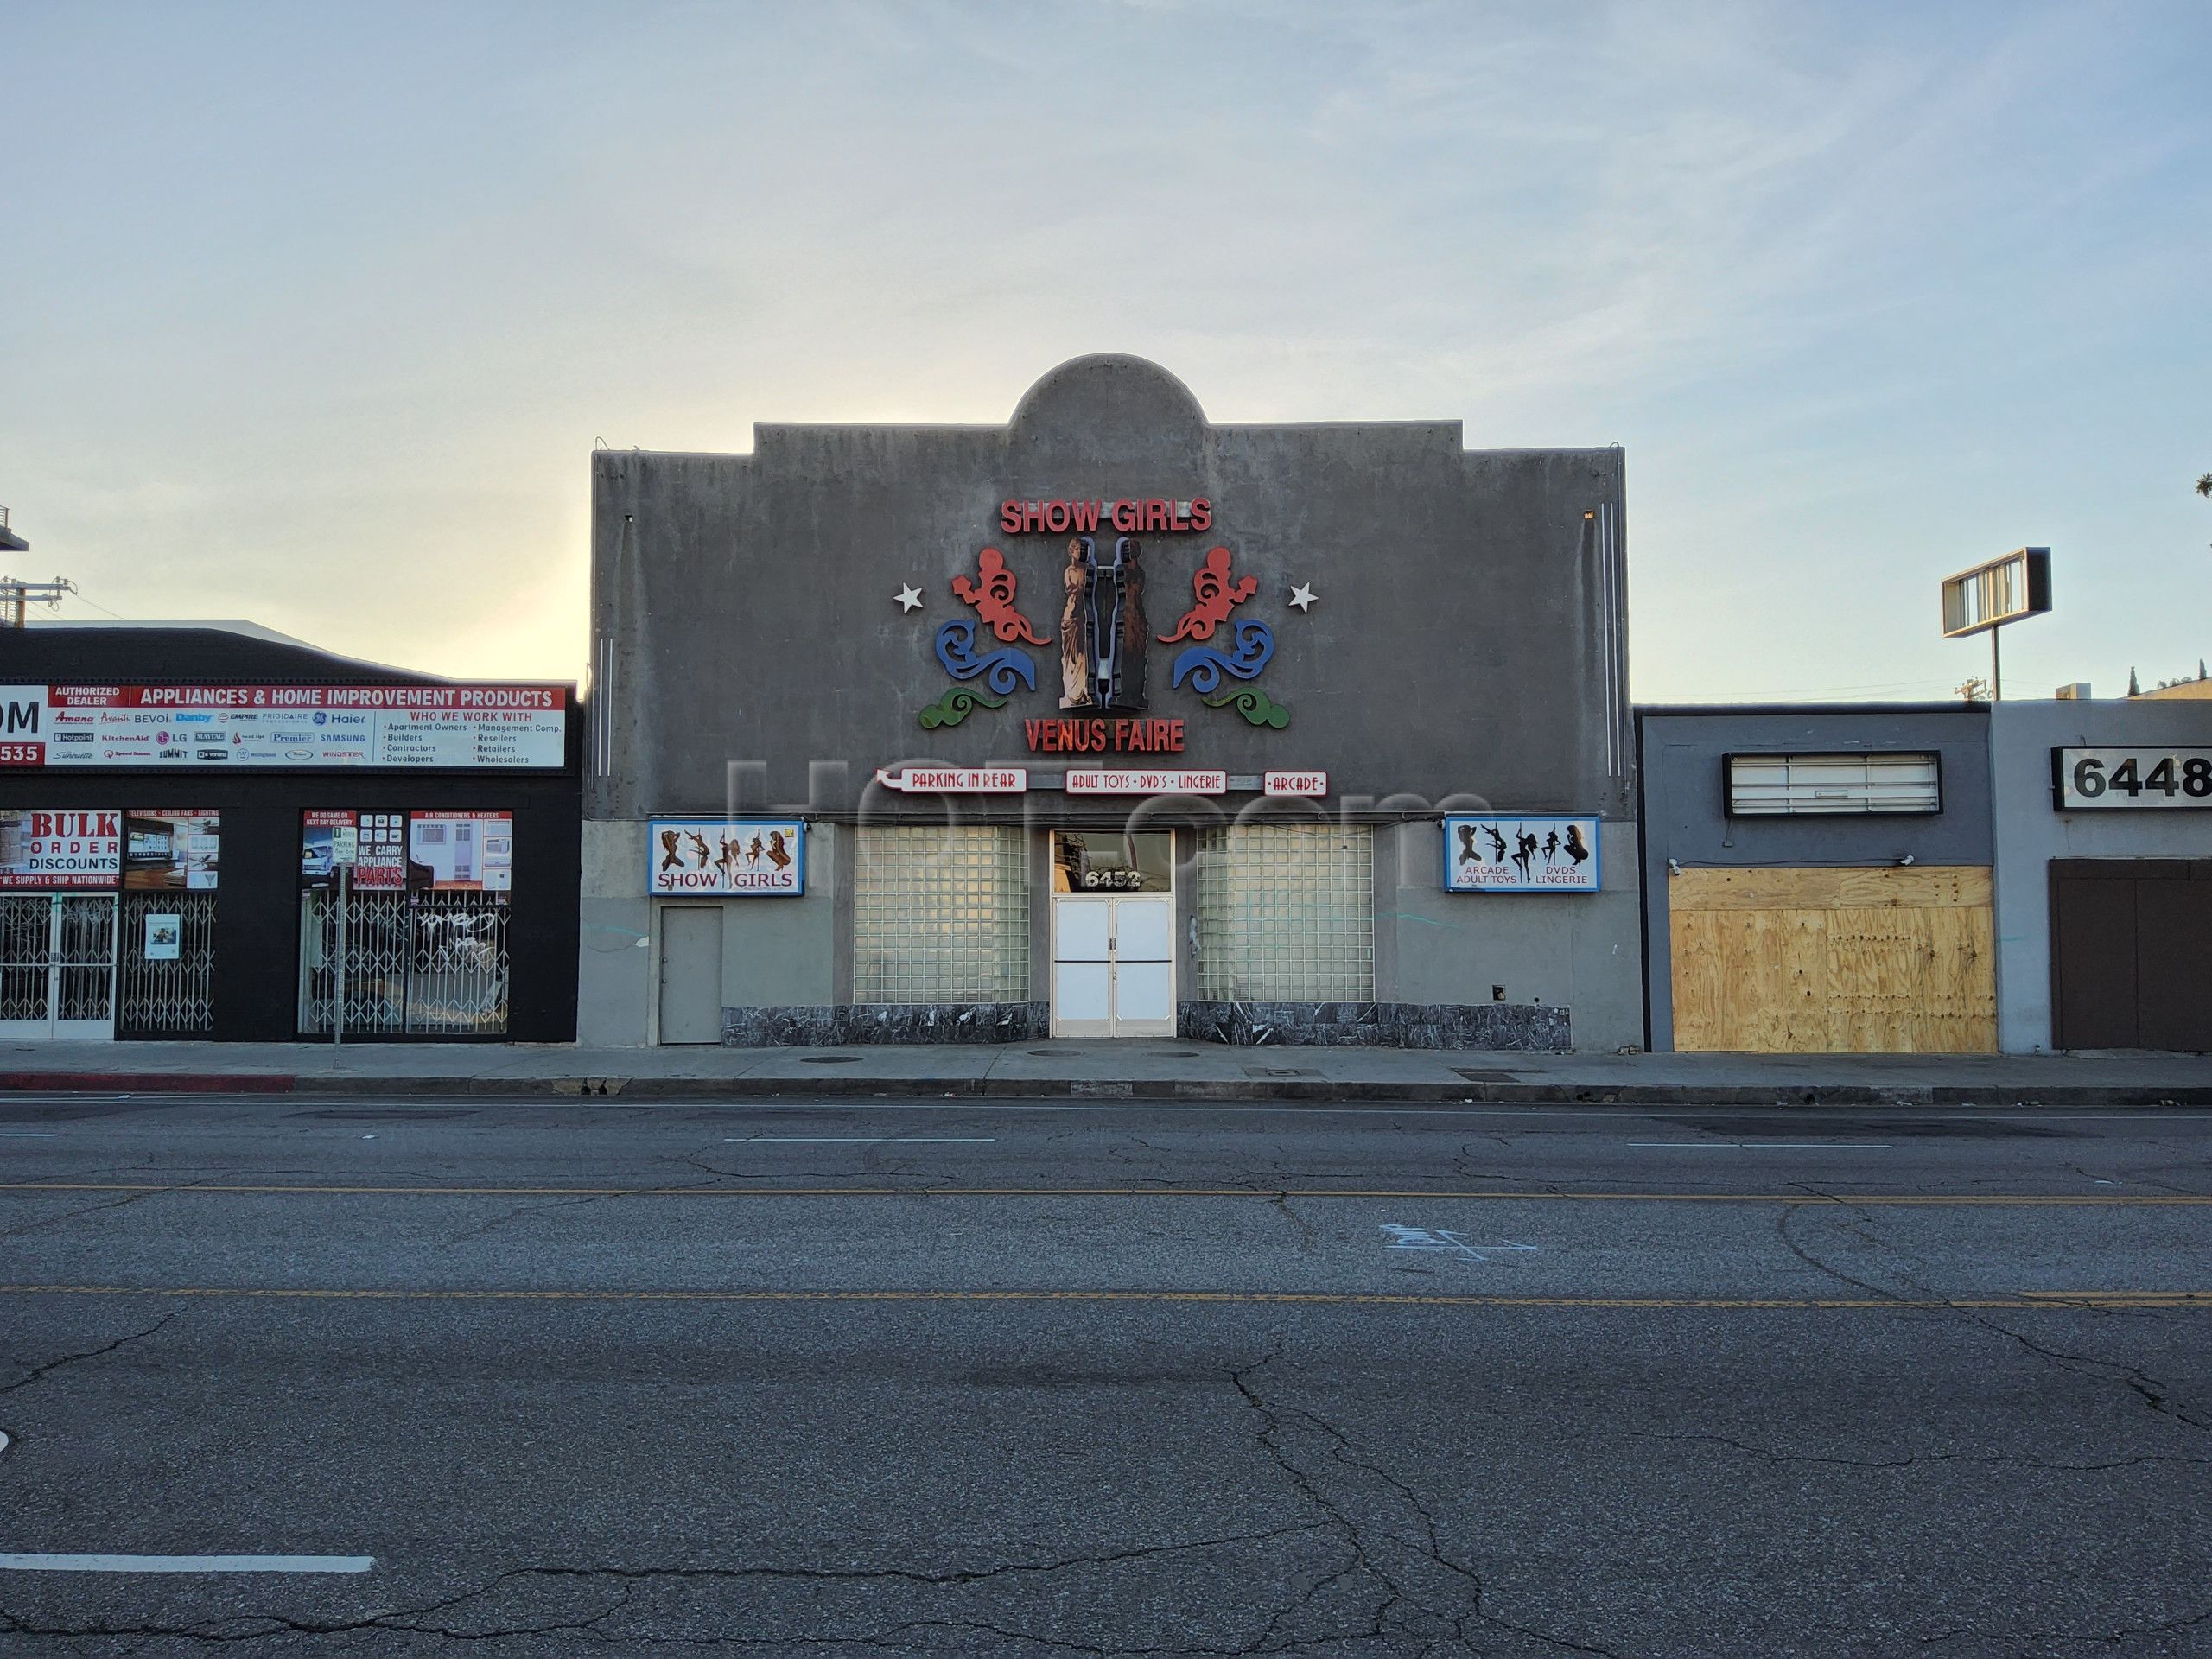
<point x="1164" y="1070"/>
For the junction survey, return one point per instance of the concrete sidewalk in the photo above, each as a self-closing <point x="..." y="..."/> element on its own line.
<point x="1178" y="1070"/>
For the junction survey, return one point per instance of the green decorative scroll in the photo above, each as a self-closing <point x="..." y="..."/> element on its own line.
<point x="1256" y="705"/>
<point x="956" y="705"/>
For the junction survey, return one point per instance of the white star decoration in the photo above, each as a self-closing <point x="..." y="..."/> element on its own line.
<point x="910" y="600"/>
<point x="1303" y="596"/>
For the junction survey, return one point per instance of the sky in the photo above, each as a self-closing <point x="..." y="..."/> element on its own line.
<point x="312" y="314"/>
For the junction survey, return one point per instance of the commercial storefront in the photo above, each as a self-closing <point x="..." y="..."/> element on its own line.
<point x="2104" y="873"/>
<point x="1111" y="722"/>
<point x="213" y="833"/>
<point x="2026" y="876"/>
<point x="1820" y="881"/>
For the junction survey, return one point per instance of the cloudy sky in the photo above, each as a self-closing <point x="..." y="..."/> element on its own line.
<point x="312" y="314"/>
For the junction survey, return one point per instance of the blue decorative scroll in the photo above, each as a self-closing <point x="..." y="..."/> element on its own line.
<point x="955" y="648"/>
<point x="1204" y="666"/>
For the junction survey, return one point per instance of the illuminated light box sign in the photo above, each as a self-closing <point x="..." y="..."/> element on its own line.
<point x="310" y="727"/>
<point x="1490" y="854"/>
<point x="1146" y="783"/>
<point x="1296" y="784"/>
<point x="751" y="858"/>
<point x="957" y="780"/>
<point x="53" y="849"/>
<point x="2004" y="590"/>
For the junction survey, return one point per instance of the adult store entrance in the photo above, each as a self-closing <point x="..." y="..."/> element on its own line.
<point x="1113" y="933"/>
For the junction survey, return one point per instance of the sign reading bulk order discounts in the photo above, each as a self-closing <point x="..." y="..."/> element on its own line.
<point x="60" y="849"/>
<point x="1520" y="855"/>
<point x="712" y="857"/>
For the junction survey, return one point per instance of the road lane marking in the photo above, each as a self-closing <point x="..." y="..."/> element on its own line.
<point x="1770" y="1146"/>
<point x="862" y="1139"/>
<point x="186" y="1563"/>
<point x="1267" y="1193"/>
<point x="28" y="1134"/>
<point x="2045" y="1301"/>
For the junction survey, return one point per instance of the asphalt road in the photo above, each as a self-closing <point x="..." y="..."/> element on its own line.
<point x="508" y="1378"/>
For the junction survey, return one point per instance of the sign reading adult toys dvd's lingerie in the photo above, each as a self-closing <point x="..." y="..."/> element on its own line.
<point x="312" y="727"/>
<point x="1520" y="855"/>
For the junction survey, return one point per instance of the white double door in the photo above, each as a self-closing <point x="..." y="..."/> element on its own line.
<point x="57" y="964"/>
<point x="1114" y="965"/>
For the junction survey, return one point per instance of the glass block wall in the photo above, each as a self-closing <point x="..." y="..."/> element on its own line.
<point x="1286" y="914"/>
<point x="941" y="914"/>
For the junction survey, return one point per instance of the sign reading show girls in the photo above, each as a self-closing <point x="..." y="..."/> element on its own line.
<point x="718" y="858"/>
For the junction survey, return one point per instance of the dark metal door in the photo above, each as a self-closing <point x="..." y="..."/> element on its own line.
<point x="2131" y="953"/>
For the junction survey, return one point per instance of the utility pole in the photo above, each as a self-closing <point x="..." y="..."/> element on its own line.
<point x="17" y="596"/>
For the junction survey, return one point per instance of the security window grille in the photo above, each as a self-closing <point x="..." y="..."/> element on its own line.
<point x="413" y="963"/>
<point x="1810" y="785"/>
<point x="167" y="996"/>
<point x="1286" y="914"/>
<point x="941" y="914"/>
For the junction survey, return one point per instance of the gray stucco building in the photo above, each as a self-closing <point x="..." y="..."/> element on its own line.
<point x="1110" y="720"/>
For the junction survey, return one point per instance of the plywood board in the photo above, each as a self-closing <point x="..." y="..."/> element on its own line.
<point x="1910" y="886"/>
<point x="1891" y="961"/>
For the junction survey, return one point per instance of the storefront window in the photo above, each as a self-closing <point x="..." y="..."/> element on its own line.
<point x="1107" y="860"/>
<point x="1286" y="914"/>
<point x="941" y="914"/>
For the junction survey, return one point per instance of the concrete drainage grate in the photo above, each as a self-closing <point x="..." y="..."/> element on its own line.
<point x="1477" y="1074"/>
<point x="831" y="1059"/>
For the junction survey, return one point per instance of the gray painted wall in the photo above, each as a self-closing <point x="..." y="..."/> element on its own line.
<point x="1685" y="803"/>
<point x="2031" y="833"/>
<point x="1579" y="951"/>
<point x="1466" y="642"/>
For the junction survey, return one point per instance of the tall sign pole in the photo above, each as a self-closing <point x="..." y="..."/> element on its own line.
<point x="1988" y="596"/>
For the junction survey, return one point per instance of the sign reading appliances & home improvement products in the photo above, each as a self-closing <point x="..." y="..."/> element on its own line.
<point x="283" y="726"/>
<point x="1520" y="855"/>
<point x="711" y="857"/>
<point x="2087" y="780"/>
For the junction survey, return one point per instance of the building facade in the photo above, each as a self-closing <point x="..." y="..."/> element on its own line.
<point x="1111" y="722"/>
<point x="2022" y="876"/>
<point x="207" y="832"/>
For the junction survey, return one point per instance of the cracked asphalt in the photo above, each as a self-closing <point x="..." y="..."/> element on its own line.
<point x="614" y="1378"/>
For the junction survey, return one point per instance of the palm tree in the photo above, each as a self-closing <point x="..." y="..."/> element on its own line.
<point x="2204" y="485"/>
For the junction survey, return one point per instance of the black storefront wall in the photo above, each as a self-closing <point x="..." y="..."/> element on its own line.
<point x="254" y="981"/>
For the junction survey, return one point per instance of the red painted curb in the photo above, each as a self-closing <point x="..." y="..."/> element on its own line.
<point x="146" y="1082"/>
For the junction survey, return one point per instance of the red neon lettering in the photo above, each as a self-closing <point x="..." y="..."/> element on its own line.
<point x="1056" y="517"/>
<point x="1126" y="517"/>
<point x="1201" y="513"/>
<point x="1033" y="517"/>
<point x="1010" y="517"/>
<point x="1083" y="515"/>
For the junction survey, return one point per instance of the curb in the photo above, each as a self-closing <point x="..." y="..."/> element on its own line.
<point x="1222" y="1091"/>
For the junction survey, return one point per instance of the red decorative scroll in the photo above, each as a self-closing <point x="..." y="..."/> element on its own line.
<point x="993" y="598"/>
<point x="1218" y="595"/>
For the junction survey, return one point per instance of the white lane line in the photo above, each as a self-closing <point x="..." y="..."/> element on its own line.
<point x="186" y="1563"/>
<point x="28" y="1134"/>
<point x="1772" y="1146"/>
<point x="862" y="1139"/>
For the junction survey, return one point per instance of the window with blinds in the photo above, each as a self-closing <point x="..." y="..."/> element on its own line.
<point x="1286" y="914"/>
<point x="941" y="914"/>
<point x="1812" y="786"/>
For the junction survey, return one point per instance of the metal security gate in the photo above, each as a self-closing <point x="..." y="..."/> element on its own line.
<point x="165" y="965"/>
<point x="415" y="964"/>
<point x="57" y="964"/>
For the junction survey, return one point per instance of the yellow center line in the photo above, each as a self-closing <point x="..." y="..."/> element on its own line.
<point x="2037" y="1300"/>
<point x="2102" y="1200"/>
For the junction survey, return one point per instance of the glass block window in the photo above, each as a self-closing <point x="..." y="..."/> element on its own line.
<point x="941" y="914"/>
<point x="1801" y="786"/>
<point x="1286" y="914"/>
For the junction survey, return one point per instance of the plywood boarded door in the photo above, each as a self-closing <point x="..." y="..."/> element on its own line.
<point x="1834" y="961"/>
